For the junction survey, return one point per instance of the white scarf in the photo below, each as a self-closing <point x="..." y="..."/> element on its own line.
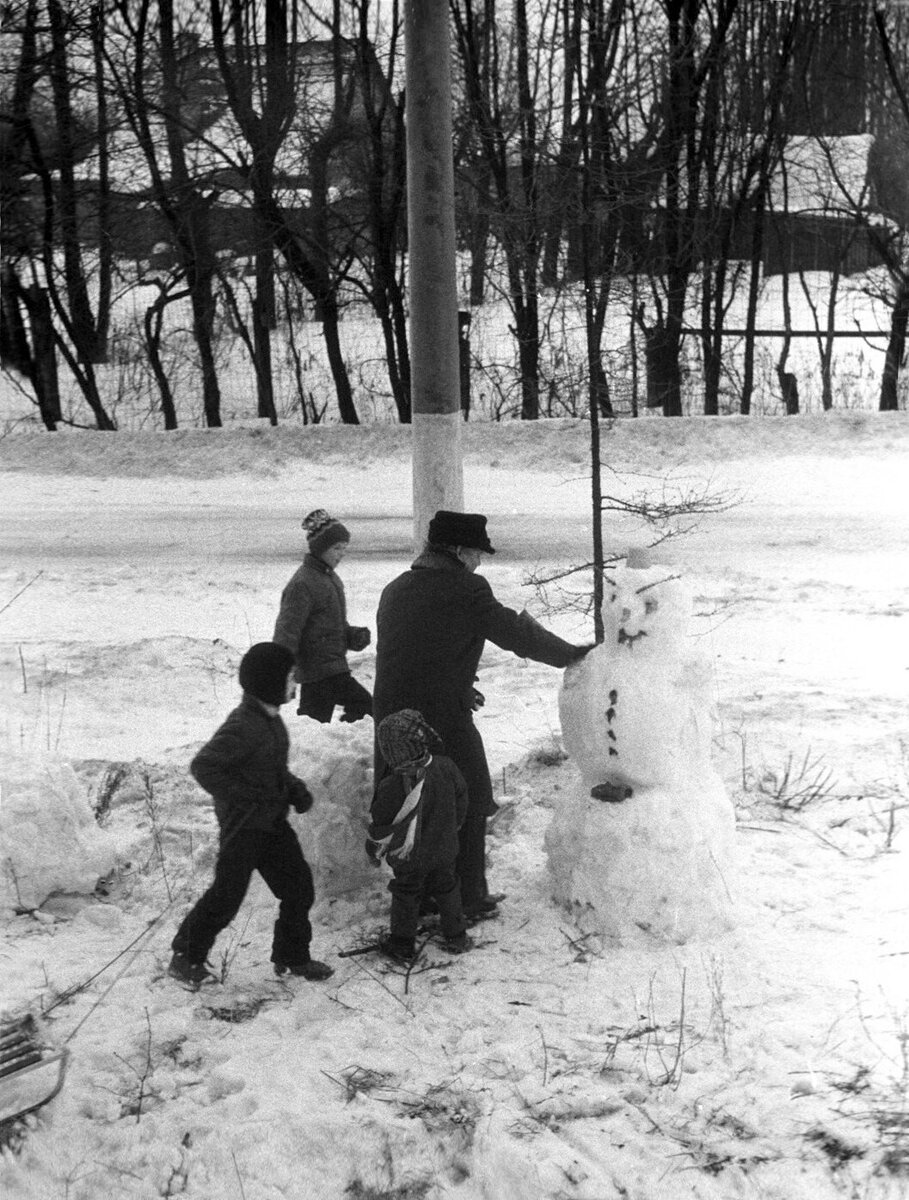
<point x="411" y="800"/>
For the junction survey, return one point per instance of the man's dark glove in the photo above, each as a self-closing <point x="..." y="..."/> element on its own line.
<point x="477" y="699"/>
<point x="300" y="796"/>
<point x="370" y="848"/>
<point x="358" y="637"/>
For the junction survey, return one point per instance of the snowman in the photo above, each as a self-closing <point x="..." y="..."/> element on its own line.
<point x="643" y="843"/>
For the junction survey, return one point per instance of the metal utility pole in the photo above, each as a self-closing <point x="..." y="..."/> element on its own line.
<point x="438" y="479"/>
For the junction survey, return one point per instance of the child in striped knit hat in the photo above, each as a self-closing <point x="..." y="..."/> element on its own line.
<point x="312" y="624"/>
<point x="416" y="812"/>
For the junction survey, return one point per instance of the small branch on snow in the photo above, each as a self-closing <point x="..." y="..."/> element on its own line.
<point x="376" y="978"/>
<point x="239" y="1176"/>
<point x="545" y="1056"/>
<point x="20" y="591"/>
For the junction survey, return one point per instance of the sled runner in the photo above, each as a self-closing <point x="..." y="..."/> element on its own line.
<point x="30" y="1075"/>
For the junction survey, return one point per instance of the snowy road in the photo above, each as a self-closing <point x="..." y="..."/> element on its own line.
<point x="775" y="508"/>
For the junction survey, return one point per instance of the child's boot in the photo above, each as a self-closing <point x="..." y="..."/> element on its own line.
<point x="307" y="968"/>
<point x="187" y="971"/>
<point x="486" y="909"/>
<point x="458" y="943"/>
<point x="399" y="950"/>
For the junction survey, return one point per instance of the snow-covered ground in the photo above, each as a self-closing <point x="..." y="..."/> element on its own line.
<point x="856" y="358"/>
<point x="770" y="1061"/>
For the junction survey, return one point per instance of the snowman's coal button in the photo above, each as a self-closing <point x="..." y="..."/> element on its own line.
<point x="613" y="793"/>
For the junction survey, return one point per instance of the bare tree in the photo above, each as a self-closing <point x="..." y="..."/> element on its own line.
<point x="765" y="59"/>
<point x="891" y="191"/>
<point x="384" y="174"/>
<point x="695" y="32"/>
<point x="584" y="217"/>
<point x="504" y="112"/>
<point x="153" y="328"/>
<point x="47" y="140"/>
<point x="26" y="327"/>
<point x="278" y="103"/>
<point x="86" y="333"/>
<point x="355" y="137"/>
<point x="256" y="53"/>
<point x="147" y="73"/>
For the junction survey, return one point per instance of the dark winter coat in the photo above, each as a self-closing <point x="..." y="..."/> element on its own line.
<point x="244" y="768"/>
<point x="432" y="624"/>
<point x="439" y="815"/>
<point x="312" y="622"/>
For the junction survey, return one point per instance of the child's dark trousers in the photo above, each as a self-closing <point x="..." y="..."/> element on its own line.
<point x="409" y="886"/>
<point x="318" y="700"/>
<point x="277" y="856"/>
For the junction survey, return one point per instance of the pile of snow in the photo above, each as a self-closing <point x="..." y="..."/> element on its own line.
<point x="51" y="840"/>
<point x="335" y="762"/>
<point x="636" y="714"/>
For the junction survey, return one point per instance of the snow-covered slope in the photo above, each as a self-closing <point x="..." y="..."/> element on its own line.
<point x="767" y="1061"/>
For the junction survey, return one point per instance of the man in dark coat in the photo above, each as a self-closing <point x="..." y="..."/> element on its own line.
<point x="432" y="624"/>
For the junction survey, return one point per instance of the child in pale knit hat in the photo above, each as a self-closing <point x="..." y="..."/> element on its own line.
<point x="416" y="813"/>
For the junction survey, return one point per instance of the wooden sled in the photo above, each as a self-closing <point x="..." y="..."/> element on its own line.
<point x="30" y="1074"/>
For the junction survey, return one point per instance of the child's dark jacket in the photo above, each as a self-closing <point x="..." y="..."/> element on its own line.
<point x="244" y="768"/>
<point x="439" y="816"/>
<point x="312" y="622"/>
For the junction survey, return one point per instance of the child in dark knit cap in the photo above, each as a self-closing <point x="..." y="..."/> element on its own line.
<point x="244" y="768"/>
<point x="415" y="815"/>
<point x="312" y="624"/>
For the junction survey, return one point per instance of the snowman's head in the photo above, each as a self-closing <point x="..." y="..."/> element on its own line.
<point x="646" y="611"/>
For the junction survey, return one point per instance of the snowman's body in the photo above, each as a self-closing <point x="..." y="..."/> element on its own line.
<point x="637" y="712"/>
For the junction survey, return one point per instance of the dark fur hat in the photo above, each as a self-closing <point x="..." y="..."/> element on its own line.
<point x="460" y="529"/>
